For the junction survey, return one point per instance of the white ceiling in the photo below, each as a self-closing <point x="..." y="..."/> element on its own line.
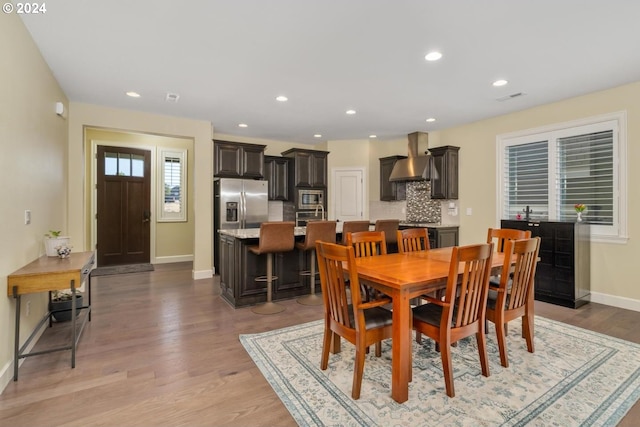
<point x="229" y="59"/>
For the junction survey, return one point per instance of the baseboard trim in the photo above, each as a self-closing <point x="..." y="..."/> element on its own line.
<point x="171" y="259"/>
<point x="202" y="274"/>
<point x="615" y="301"/>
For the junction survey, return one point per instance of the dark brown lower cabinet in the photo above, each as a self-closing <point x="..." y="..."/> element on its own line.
<point x="563" y="273"/>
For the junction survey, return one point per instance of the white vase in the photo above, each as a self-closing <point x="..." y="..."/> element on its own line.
<point x="579" y="219"/>
<point x="50" y="244"/>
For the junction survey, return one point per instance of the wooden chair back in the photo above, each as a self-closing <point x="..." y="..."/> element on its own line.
<point x="345" y="309"/>
<point x="502" y="234"/>
<point x="413" y="239"/>
<point x="353" y="227"/>
<point x="367" y="243"/>
<point x="515" y="292"/>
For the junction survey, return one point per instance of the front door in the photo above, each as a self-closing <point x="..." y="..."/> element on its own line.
<point x="124" y="206"/>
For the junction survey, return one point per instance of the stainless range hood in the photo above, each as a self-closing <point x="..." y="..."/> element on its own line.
<point x="415" y="167"/>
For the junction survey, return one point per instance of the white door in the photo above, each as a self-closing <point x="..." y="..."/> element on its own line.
<point x="348" y="194"/>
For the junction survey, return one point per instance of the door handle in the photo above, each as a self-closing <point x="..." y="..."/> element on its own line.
<point x="146" y="216"/>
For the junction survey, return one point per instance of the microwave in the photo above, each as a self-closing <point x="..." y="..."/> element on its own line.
<point x="310" y="199"/>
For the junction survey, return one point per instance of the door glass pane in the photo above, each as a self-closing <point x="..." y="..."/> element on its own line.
<point x="124" y="165"/>
<point x="137" y="165"/>
<point x="110" y="163"/>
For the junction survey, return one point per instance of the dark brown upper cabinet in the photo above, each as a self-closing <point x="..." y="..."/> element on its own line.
<point x="309" y="167"/>
<point x="238" y="160"/>
<point x="390" y="191"/>
<point x="444" y="172"/>
<point x="276" y="170"/>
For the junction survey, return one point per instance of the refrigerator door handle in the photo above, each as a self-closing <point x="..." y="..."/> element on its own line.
<point x="243" y="210"/>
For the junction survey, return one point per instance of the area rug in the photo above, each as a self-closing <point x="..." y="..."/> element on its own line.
<point x="121" y="269"/>
<point x="575" y="378"/>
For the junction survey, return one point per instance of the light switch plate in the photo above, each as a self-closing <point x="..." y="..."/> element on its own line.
<point x="469" y="211"/>
<point x="27" y="217"/>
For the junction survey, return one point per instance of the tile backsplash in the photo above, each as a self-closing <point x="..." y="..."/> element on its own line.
<point x="420" y="207"/>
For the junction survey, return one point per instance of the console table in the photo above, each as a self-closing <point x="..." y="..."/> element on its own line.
<point x="47" y="274"/>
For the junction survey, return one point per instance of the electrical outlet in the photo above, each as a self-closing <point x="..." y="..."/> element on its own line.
<point x="469" y="211"/>
<point x="27" y="217"/>
<point x="28" y="309"/>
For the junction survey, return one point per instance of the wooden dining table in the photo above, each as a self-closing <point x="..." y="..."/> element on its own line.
<point x="403" y="277"/>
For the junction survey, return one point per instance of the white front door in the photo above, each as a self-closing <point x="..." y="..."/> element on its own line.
<point x="348" y="194"/>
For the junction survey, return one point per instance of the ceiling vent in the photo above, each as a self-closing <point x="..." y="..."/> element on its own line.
<point x="172" y="97"/>
<point x="508" y="97"/>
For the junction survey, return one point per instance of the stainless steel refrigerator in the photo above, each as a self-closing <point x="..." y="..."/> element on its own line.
<point x="238" y="203"/>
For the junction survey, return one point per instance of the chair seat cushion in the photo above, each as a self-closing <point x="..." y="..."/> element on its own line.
<point x="375" y="317"/>
<point x="428" y="313"/>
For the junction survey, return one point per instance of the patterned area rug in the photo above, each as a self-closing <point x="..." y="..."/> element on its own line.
<point x="121" y="269"/>
<point x="575" y="378"/>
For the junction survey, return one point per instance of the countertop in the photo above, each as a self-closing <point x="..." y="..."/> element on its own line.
<point x="254" y="233"/>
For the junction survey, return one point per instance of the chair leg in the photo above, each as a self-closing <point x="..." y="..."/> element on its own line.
<point x="326" y="346"/>
<point x="502" y="342"/>
<point x="269" y="307"/>
<point x="527" y="330"/>
<point x="358" y="370"/>
<point x="482" y="349"/>
<point x="447" y="368"/>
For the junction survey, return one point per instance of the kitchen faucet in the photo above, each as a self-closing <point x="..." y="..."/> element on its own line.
<point x="321" y="207"/>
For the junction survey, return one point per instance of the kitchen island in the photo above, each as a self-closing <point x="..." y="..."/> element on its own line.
<point x="239" y="267"/>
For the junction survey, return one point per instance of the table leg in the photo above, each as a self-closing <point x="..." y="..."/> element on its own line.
<point x="16" y="345"/>
<point x="401" y="348"/>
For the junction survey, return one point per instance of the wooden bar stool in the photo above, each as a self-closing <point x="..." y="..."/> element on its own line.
<point x="324" y="231"/>
<point x="274" y="237"/>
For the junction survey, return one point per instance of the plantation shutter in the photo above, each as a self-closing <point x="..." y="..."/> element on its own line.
<point x="585" y="175"/>
<point x="526" y="180"/>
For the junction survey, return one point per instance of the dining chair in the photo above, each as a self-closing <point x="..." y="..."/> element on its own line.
<point x="461" y="312"/>
<point x="345" y="313"/>
<point x="389" y="226"/>
<point x="515" y="293"/>
<point x="499" y="236"/>
<point x="353" y="227"/>
<point x="368" y="243"/>
<point x="413" y="239"/>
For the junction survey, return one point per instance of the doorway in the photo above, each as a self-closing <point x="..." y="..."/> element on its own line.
<point x="123" y="191"/>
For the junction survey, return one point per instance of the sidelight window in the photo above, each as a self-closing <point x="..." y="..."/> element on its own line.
<point x="173" y="191"/>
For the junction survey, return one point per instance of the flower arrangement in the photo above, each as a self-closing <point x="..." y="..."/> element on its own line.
<point x="579" y="207"/>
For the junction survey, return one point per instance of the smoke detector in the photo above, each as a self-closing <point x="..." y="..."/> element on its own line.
<point x="172" y="97"/>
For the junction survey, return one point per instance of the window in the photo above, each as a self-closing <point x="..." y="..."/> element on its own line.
<point x="123" y="164"/>
<point x="547" y="171"/>
<point x="173" y="191"/>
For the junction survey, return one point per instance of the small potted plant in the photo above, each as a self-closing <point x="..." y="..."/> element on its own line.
<point x="579" y="207"/>
<point x="61" y="300"/>
<point x="53" y="240"/>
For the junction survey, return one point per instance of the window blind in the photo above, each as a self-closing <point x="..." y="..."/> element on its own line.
<point x="584" y="174"/>
<point x="526" y="180"/>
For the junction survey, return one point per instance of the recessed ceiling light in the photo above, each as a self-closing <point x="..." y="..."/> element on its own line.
<point x="373" y="136"/>
<point x="133" y="94"/>
<point x="430" y="119"/>
<point x="243" y="125"/>
<point x="351" y="112"/>
<point x="500" y="83"/>
<point x="282" y="98"/>
<point x="433" y="56"/>
<point x="317" y="135"/>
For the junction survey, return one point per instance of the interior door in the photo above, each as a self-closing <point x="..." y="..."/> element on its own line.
<point x="123" y="206"/>
<point x="348" y="194"/>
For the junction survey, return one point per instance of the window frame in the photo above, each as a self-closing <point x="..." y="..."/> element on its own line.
<point x="617" y="122"/>
<point x="164" y="216"/>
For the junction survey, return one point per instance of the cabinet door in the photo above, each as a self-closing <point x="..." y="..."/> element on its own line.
<point x="318" y="170"/>
<point x="277" y="173"/>
<point x="226" y="260"/>
<point x="253" y="161"/>
<point x="390" y="191"/>
<point x="228" y="159"/>
<point x="304" y="167"/>
<point x="444" y="175"/>
<point x="447" y="237"/>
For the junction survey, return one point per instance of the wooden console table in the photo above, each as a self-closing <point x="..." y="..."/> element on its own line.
<point x="47" y="274"/>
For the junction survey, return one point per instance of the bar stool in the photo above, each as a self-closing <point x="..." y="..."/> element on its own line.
<point x="316" y="230"/>
<point x="389" y="226"/>
<point x="274" y="237"/>
<point x="353" y="227"/>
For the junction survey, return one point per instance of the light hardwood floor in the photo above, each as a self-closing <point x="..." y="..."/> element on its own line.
<point x="163" y="350"/>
